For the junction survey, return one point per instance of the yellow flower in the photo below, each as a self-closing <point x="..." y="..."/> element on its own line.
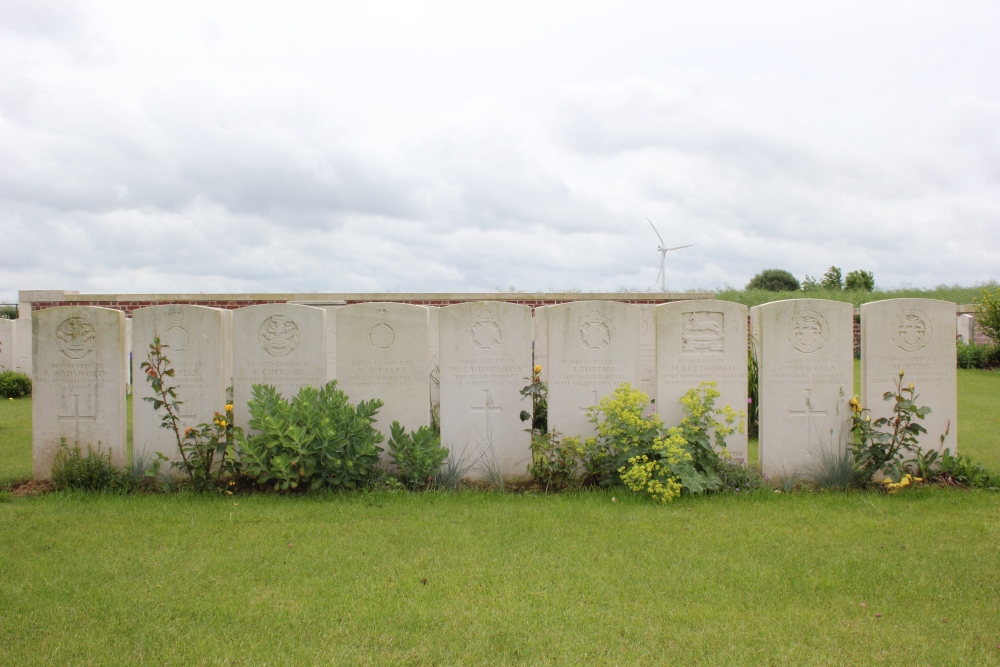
<point x="223" y="422"/>
<point x="855" y="404"/>
<point x="868" y="418"/>
<point x="229" y="407"/>
<point x="911" y="386"/>
<point x="900" y="372"/>
<point x="538" y="368"/>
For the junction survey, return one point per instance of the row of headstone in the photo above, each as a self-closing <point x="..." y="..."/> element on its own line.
<point x="15" y="345"/>
<point x="468" y="363"/>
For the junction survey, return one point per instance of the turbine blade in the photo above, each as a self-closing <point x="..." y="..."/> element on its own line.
<point x="662" y="242"/>
<point x="679" y="247"/>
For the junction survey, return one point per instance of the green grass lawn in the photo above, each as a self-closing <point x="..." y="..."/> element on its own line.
<point x="492" y="579"/>
<point x="504" y="579"/>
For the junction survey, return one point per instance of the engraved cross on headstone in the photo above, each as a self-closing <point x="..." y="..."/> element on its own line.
<point x="584" y="409"/>
<point x="76" y="417"/>
<point x="488" y="408"/>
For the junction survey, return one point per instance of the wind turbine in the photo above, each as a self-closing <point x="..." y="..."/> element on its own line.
<point x="662" y="276"/>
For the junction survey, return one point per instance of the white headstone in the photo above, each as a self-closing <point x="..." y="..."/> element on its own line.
<point x="698" y="341"/>
<point x="806" y="381"/>
<point x="331" y="342"/>
<point x="383" y="353"/>
<point x="593" y="346"/>
<point x="79" y="383"/>
<point x="647" y="353"/>
<point x="198" y="342"/>
<point x="7" y="344"/>
<point x="966" y="328"/>
<point x="22" y="346"/>
<point x="280" y="344"/>
<point x="917" y="336"/>
<point x="485" y="362"/>
<point x="540" y="341"/>
<point x="434" y="349"/>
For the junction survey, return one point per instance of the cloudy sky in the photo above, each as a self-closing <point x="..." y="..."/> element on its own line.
<point x="469" y="146"/>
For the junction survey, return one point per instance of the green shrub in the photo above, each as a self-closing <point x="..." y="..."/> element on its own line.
<point x="650" y="459"/>
<point x="418" y="455"/>
<point x="317" y="440"/>
<point x="774" y="280"/>
<point x="72" y="469"/>
<point x="832" y="279"/>
<point x="14" y="385"/>
<point x="8" y="311"/>
<point x="834" y="468"/>
<point x="975" y="355"/>
<point x="988" y="313"/>
<point x="860" y="281"/>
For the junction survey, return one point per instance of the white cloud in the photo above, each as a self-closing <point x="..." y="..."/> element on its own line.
<point x="462" y="147"/>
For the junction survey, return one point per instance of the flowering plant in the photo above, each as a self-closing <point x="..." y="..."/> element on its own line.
<point x="880" y="444"/>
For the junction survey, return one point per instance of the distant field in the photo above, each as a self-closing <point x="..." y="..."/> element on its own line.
<point x="956" y="294"/>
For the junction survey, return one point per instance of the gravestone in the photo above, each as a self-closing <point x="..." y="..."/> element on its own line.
<point x="485" y="362"/>
<point x="806" y="356"/>
<point x="331" y="341"/>
<point x="918" y="336"/>
<point x="434" y="347"/>
<point x="7" y="345"/>
<point x="22" y="345"/>
<point x="383" y="352"/>
<point x="280" y="344"/>
<point x="702" y="340"/>
<point x="593" y="346"/>
<point x="78" y="389"/>
<point x="540" y="341"/>
<point x="966" y="328"/>
<point x="198" y="342"/>
<point x="647" y="354"/>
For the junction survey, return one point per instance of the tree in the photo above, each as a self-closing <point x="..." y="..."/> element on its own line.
<point x="832" y="279"/>
<point x="774" y="280"/>
<point x="810" y="284"/>
<point x="860" y="280"/>
<point x="988" y="314"/>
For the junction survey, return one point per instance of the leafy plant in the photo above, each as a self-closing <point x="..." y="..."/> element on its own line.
<point x="963" y="470"/>
<point x="988" y="313"/>
<point x="417" y="455"/>
<point x="880" y="444"/>
<point x="8" y="311"/>
<point x="810" y="284"/>
<point x="735" y="476"/>
<point x="14" y="385"/>
<point x="318" y="439"/>
<point x="774" y="280"/>
<point x="538" y="391"/>
<point x="72" y="469"/>
<point x="860" y="280"/>
<point x="555" y="461"/>
<point x="832" y="279"/>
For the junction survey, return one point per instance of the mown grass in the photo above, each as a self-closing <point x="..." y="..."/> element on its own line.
<point x="955" y="293"/>
<point x="493" y="579"/>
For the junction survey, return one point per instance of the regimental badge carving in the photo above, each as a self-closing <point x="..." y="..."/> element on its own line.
<point x="381" y="335"/>
<point x="596" y="333"/>
<point x="278" y="336"/>
<point x="911" y="330"/>
<point x="177" y="338"/>
<point x="808" y="331"/>
<point x="703" y="331"/>
<point x="76" y="338"/>
<point x="486" y="332"/>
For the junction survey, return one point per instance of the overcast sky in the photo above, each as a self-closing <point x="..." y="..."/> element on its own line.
<point x="469" y="146"/>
